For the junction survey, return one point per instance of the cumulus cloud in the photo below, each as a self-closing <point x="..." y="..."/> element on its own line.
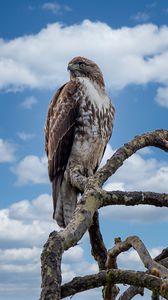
<point x="31" y="169"/>
<point x="25" y="227"/>
<point x="20" y="255"/>
<point x="29" y="102"/>
<point x="139" y="173"/>
<point x="136" y="55"/>
<point x="7" y="151"/>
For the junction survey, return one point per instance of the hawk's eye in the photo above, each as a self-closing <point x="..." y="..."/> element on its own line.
<point x="81" y="65"/>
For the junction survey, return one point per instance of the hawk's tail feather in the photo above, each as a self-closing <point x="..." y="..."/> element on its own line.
<point x="56" y="183"/>
<point x="66" y="203"/>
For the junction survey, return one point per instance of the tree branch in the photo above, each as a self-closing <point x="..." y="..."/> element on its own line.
<point x="51" y="267"/>
<point x="162" y="255"/>
<point x="142" y="279"/>
<point x="99" y="250"/>
<point x="157" y="138"/>
<point x="138" y="245"/>
<point x="131" y="292"/>
<point x="111" y="291"/>
<point x="132" y="198"/>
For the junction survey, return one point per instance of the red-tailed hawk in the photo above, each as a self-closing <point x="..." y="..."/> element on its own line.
<point x="78" y="126"/>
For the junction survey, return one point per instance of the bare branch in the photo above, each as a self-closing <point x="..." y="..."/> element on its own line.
<point x="131" y="292"/>
<point x="133" y="241"/>
<point x="132" y="198"/>
<point x="51" y="268"/>
<point x="158" y="138"/>
<point x="111" y="290"/>
<point x="99" y="250"/>
<point x="164" y="262"/>
<point x="162" y="255"/>
<point x="142" y="279"/>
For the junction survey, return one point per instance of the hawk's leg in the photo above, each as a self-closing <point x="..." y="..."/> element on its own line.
<point x="77" y="175"/>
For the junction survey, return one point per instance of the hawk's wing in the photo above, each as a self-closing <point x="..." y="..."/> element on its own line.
<point x="59" y="133"/>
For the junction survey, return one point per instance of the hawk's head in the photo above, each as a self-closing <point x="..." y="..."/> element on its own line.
<point x="83" y="67"/>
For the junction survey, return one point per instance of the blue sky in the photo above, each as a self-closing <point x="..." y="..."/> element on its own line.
<point x="129" y="41"/>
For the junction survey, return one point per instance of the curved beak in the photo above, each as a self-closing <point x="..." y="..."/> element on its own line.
<point x="72" y="67"/>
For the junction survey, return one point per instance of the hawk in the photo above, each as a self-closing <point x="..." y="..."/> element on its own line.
<point x="78" y="127"/>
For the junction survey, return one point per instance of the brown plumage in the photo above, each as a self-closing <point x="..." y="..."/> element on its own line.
<point x="78" y="126"/>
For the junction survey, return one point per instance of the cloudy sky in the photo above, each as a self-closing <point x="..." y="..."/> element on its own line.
<point x="129" y="40"/>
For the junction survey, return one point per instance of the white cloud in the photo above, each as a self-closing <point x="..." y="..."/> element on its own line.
<point x="136" y="55"/>
<point x="25" y="226"/>
<point x="136" y="214"/>
<point x="29" y="102"/>
<point x="73" y="255"/>
<point x="24" y="229"/>
<point x="25" y="136"/>
<point x="7" y="151"/>
<point x="138" y="173"/>
<point x="20" y="254"/>
<point x="40" y="206"/>
<point x="131" y="260"/>
<point x="31" y="169"/>
<point x="23" y="233"/>
<point x="55" y="8"/>
<point x="162" y="96"/>
<point x="114" y="186"/>
<point x="141" y="17"/>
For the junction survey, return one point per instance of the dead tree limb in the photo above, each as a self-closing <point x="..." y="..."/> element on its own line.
<point x="132" y="198"/>
<point x="82" y="220"/>
<point x="162" y="259"/>
<point x="131" y="292"/>
<point x="98" y="250"/>
<point x="138" y="245"/>
<point x="157" y="138"/>
<point x="140" y="279"/>
<point x="51" y="267"/>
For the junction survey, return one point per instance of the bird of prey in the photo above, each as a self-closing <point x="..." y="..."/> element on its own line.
<point x="78" y="127"/>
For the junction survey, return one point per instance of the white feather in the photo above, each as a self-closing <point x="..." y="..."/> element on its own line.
<point x="96" y="95"/>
